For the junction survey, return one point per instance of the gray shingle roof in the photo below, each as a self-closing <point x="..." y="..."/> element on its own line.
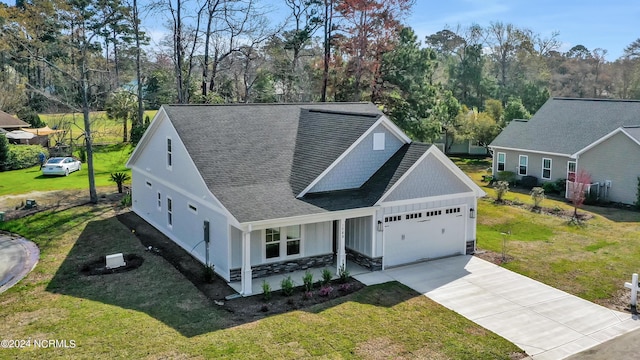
<point x="256" y="158"/>
<point x="634" y="131"/>
<point x="566" y="125"/>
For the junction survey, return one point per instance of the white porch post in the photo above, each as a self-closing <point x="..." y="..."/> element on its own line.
<point x="246" y="274"/>
<point x="342" y="255"/>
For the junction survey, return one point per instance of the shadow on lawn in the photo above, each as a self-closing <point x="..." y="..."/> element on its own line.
<point x="176" y="298"/>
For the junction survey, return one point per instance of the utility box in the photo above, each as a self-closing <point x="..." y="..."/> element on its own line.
<point x="115" y="261"/>
<point x="30" y="204"/>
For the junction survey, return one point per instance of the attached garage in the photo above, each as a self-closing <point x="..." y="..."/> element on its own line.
<point x="424" y="235"/>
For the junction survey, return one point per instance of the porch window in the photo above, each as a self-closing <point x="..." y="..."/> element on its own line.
<point x="524" y="163"/>
<point x="571" y="171"/>
<point x="502" y="158"/>
<point x="546" y="168"/>
<point x="273" y="243"/>
<point x="293" y="240"/>
<point x="288" y="236"/>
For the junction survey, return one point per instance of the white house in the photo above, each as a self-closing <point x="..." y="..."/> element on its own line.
<point x="256" y="189"/>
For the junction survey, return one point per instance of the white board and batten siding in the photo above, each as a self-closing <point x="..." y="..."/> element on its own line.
<point x="156" y="183"/>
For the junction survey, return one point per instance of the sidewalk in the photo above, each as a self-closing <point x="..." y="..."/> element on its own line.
<point x="18" y="257"/>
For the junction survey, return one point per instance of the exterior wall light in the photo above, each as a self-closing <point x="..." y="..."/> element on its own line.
<point x="472" y="213"/>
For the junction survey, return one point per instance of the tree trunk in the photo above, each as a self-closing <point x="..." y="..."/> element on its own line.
<point x="124" y="130"/>
<point x="93" y="196"/>
<point x="136" y="27"/>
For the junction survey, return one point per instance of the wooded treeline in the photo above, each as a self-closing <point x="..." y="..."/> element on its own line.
<point x="464" y="82"/>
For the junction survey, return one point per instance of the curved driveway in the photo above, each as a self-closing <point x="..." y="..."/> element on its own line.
<point x="18" y="257"/>
<point x="545" y="322"/>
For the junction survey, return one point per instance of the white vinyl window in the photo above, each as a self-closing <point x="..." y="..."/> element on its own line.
<point x="169" y="154"/>
<point x="169" y="212"/>
<point x="282" y="242"/>
<point x="502" y="159"/>
<point x="571" y="171"/>
<point x="546" y="168"/>
<point x="523" y="164"/>
<point x="378" y="141"/>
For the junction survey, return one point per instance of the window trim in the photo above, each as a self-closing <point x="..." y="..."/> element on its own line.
<point x="169" y="151"/>
<point x="283" y="242"/>
<point x="159" y="201"/>
<point x="526" y="166"/>
<point x="504" y="161"/>
<point x="544" y="168"/>
<point x="169" y="212"/>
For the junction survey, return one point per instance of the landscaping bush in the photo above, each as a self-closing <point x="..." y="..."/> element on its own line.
<point x="327" y="275"/>
<point x="343" y="274"/>
<point x="508" y="176"/>
<point x="287" y="286"/>
<point x="4" y="152"/>
<point x="555" y="187"/>
<point x="266" y="290"/>
<point x="307" y="280"/>
<point x="537" y="194"/>
<point x="23" y="156"/>
<point x="502" y="188"/>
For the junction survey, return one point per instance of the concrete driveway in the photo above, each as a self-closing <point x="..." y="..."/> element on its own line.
<point x="18" y="257"/>
<point x="545" y="322"/>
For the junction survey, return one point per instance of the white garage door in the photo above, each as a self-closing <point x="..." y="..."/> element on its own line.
<point x="422" y="235"/>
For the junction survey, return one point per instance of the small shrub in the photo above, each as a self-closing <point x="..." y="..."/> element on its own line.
<point x="537" y="194"/>
<point x="508" y="176"/>
<point x="307" y="295"/>
<point x="343" y="274"/>
<point x="266" y="290"/>
<point x="550" y="188"/>
<point x="119" y="178"/>
<point x="264" y="308"/>
<point x="502" y="188"/>
<point x="126" y="200"/>
<point x="327" y="275"/>
<point x="208" y="274"/>
<point x="307" y="280"/>
<point x="344" y="287"/>
<point x="325" y="291"/>
<point x="287" y="286"/>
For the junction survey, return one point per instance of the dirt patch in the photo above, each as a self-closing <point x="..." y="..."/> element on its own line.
<point x="243" y="309"/>
<point x="99" y="266"/>
<point x="14" y="205"/>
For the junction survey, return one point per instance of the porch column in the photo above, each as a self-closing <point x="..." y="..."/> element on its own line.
<point x="246" y="274"/>
<point x="341" y="253"/>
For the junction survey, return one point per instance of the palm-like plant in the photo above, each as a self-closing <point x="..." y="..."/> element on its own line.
<point x="119" y="178"/>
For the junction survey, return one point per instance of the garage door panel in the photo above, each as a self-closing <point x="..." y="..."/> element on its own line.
<point x="426" y="237"/>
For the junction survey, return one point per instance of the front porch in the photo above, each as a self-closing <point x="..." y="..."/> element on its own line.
<point x="275" y="280"/>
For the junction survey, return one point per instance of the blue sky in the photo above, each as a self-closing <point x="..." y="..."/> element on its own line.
<point x="611" y="25"/>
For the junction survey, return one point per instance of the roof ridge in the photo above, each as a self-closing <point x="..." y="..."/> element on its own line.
<point x="595" y="99"/>
<point x="344" y="112"/>
<point x="272" y="104"/>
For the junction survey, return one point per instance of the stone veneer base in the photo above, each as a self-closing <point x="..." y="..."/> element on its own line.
<point x="283" y="267"/>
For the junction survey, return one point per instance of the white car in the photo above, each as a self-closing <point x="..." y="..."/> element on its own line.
<point x="61" y="166"/>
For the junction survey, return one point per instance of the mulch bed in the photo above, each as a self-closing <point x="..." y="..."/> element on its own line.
<point x="559" y="212"/>
<point x="216" y="289"/>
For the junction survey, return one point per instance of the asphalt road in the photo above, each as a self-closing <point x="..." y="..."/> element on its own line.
<point x="18" y="257"/>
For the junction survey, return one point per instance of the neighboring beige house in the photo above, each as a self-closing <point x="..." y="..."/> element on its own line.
<point x="567" y="135"/>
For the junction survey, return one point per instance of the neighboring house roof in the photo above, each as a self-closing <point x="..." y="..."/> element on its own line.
<point x="633" y="132"/>
<point x="567" y="125"/>
<point x="257" y="158"/>
<point x="9" y="122"/>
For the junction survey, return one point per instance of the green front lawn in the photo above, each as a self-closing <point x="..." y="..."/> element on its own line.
<point x="153" y="312"/>
<point x="107" y="159"/>
<point x="591" y="261"/>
